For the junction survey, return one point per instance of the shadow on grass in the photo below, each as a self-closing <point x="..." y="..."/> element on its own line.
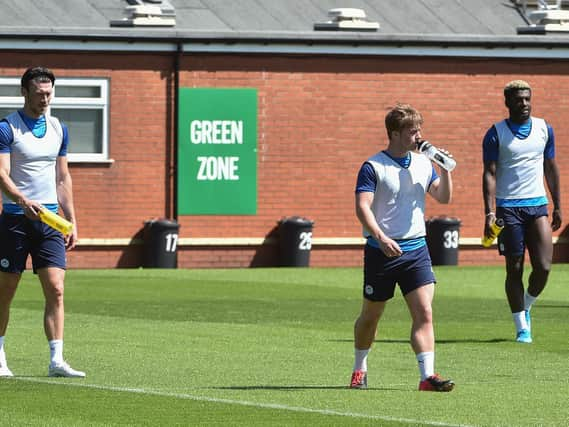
<point x="469" y="340"/>
<point x="437" y="341"/>
<point x="540" y="306"/>
<point x="297" y="387"/>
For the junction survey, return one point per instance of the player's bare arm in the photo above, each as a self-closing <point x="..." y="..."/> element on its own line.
<point x="65" y="197"/>
<point x="441" y="188"/>
<point x="364" y="213"/>
<point x="551" y="172"/>
<point x="489" y="193"/>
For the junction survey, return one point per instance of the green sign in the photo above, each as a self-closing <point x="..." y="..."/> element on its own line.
<point x="217" y="151"/>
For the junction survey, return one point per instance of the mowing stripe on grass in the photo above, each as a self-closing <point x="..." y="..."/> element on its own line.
<point x="239" y="402"/>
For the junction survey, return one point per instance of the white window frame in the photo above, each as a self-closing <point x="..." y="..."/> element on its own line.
<point x="101" y="103"/>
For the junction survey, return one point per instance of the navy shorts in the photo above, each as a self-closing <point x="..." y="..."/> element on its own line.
<point x="20" y="237"/>
<point x="411" y="270"/>
<point x="511" y="241"/>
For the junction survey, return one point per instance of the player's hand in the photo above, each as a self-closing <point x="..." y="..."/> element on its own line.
<point x="31" y="209"/>
<point x="390" y="248"/>
<point x="490" y="219"/>
<point x="71" y="239"/>
<point x="556" y="219"/>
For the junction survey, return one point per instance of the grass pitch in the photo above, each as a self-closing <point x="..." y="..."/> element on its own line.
<point x="257" y="347"/>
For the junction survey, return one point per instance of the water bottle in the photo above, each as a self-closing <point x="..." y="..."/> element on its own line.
<point x="437" y="156"/>
<point x="496" y="228"/>
<point x="55" y="221"/>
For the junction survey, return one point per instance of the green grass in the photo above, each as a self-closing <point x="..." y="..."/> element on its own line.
<point x="257" y="347"/>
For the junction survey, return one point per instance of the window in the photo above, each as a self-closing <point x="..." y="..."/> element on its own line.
<point x="82" y="104"/>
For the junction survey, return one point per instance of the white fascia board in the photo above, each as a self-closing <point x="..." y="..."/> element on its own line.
<point x="382" y="50"/>
<point x="307" y="47"/>
<point x="87" y="46"/>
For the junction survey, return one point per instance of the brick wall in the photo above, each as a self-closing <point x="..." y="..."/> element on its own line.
<point x="319" y="118"/>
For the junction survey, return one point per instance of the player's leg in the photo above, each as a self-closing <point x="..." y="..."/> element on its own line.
<point x="511" y="244"/>
<point x="514" y="286"/>
<point x="13" y="255"/>
<point x="49" y="263"/>
<point x="417" y="283"/>
<point x="52" y="281"/>
<point x="365" y="329"/>
<point x="8" y="285"/>
<point x="419" y="302"/>
<point x="540" y="250"/>
<point x="377" y="290"/>
<point x="515" y="294"/>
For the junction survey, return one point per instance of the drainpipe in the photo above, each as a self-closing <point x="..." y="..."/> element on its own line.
<point x="174" y="193"/>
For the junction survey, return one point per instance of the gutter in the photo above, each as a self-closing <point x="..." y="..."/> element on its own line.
<point x="302" y="43"/>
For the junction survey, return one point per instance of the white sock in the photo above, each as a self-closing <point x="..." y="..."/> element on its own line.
<point x="426" y="361"/>
<point x="2" y="354"/>
<point x="528" y="301"/>
<point x="360" y="363"/>
<point x="520" y="320"/>
<point x="56" y="351"/>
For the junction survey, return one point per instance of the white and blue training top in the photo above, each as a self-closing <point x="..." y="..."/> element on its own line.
<point x="519" y="151"/>
<point x="399" y="186"/>
<point x="34" y="145"/>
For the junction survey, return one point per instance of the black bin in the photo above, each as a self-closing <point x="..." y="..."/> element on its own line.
<point x="295" y="241"/>
<point x="442" y="239"/>
<point x="161" y="243"/>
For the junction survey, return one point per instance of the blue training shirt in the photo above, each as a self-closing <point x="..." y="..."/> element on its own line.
<point x="367" y="182"/>
<point x="35" y="177"/>
<point x="523" y="172"/>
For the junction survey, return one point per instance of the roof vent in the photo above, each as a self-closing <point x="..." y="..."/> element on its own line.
<point x="147" y="13"/>
<point x="545" y="19"/>
<point x="346" y="19"/>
